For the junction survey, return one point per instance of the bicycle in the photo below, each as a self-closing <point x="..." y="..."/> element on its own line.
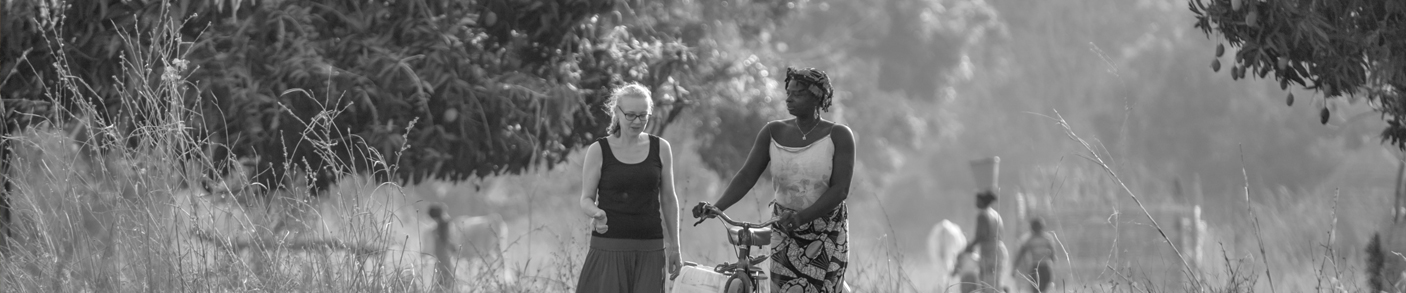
<point x="744" y="275"/>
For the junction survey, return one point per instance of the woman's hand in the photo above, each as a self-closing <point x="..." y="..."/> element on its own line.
<point x="703" y="210"/>
<point x="598" y="220"/>
<point x="788" y="222"/>
<point x="595" y="212"/>
<point x="597" y="215"/>
<point x="599" y="224"/>
<point x="673" y="261"/>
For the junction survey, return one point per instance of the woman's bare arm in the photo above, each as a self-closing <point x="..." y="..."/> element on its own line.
<point x="983" y="230"/>
<point x="746" y="178"/>
<point x="669" y="200"/>
<point x="590" y="178"/>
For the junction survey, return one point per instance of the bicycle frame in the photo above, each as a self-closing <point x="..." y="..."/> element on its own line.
<point x="745" y="273"/>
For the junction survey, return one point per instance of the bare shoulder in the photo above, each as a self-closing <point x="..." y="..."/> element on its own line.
<point x="594" y="148"/>
<point x="664" y="146"/>
<point x="770" y="128"/>
<point x="989" y="214"/>
<point x="771" y="125"/>
<point x="593" y="152"/>
<point x="842" y="132"/>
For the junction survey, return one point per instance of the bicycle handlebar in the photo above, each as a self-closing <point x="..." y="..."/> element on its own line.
<point x="730" y="221"/>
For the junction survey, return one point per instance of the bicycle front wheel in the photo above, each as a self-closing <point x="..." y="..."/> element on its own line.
<point x="739" y="283"/>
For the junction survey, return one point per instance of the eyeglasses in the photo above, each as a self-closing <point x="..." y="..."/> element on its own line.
<point x="634" y="116"/>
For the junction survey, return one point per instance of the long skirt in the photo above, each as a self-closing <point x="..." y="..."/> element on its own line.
<point x="993" y="266"/>
<point x="623" y="266"/>
<point x="814" y="257"/>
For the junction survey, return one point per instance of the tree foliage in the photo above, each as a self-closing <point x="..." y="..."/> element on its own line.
<point x="478" y="88"/>
<point x="726" y="85"/>
<point x="440" y="88"/>
<point x="1354" y="49"/>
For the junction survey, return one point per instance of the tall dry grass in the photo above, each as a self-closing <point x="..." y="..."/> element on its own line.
<point x="116" y="205"/>
<point x="97" y="214"/>
<point x="1320" y="266"/>
<point x="112" y="204"/>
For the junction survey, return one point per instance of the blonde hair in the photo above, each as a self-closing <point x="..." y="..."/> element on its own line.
<point x="629" y="89"/>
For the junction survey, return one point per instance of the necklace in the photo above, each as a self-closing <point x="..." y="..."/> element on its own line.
<point x="807" y="132"/>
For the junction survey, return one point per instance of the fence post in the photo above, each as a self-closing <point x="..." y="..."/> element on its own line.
<point x="1198" y="227"/>
<point x="1397" y="209"/>
<point x="444" y="263"/>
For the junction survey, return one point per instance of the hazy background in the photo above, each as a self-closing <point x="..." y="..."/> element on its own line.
<point x="929" y="85"/>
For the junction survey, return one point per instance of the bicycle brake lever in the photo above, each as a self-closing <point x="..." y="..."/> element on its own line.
<point x="756" y="260"/>
<point x="700" y="221"/>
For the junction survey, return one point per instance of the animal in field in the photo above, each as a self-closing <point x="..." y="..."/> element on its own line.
<point x="945" y="242"/>
<point x="476" y="240"/>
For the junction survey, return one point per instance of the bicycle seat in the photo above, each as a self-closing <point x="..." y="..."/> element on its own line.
<point x="760" y="236"/>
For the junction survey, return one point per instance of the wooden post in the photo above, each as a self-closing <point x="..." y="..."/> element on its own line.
<point x="1197" y="231"/>
<point x="1396" y="209"/>
<point x="444" y="263"/>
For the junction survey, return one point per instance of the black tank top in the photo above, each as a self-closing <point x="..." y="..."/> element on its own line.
<point x="629" y="194"/>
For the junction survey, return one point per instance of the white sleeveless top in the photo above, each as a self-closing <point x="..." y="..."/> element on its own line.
<point x="801" y="174"/>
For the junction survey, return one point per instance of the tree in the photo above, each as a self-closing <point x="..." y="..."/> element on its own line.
<point x="727" y="82"/>
<point x="1353" y="49"/>
<point x="385" y="64"/>
<point x="444" y="89"/>
<point x="404" y="90"/>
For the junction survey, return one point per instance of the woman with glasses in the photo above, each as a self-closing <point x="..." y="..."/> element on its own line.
<point x="628" y="191"/>
<point x="811" y="161"/>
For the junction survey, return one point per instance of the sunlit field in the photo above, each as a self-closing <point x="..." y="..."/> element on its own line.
<point x="1158" y="181"/>
<point x="125" y="222"/>
<point x="129" y="219"/>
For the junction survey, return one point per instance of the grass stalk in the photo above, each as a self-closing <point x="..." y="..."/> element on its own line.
<point x="1095" y="158"/>
<point x="1250" y="207"/>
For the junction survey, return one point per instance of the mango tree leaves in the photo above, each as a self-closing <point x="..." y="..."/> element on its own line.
<point x="1354" y="49"/>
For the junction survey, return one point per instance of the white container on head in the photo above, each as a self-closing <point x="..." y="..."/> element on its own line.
<point x="986" y="171"/>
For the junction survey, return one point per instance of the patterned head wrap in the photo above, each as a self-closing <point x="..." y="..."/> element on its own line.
<point x="813" y="81"/>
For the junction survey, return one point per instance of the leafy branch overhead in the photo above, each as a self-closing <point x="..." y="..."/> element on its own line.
<point x="1354" y="49"/>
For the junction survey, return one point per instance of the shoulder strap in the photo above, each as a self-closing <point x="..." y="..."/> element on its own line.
<point x="654" y="148"/>
<point x="654" y="157"/>
<point x="607" y="156"/>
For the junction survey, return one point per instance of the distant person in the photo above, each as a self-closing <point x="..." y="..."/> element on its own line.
<point x="475" y="239"/>
<point x="945" y="243"/>
<point x="1034" y="261"/>
<point x="965" y="270"/>
<point x="811" y="161"/>
<point x="987" y="242"/>
<point x="628" y="191"/>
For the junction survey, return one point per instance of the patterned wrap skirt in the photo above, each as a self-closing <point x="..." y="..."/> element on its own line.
<point x="814" y="257"/>
<point x="623" y="266"/>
